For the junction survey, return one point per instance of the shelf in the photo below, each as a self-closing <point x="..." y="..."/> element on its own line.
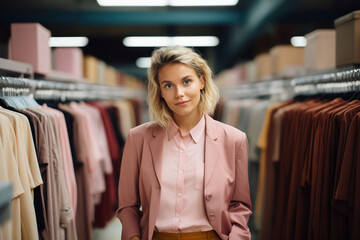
<point x="16" y="69"/>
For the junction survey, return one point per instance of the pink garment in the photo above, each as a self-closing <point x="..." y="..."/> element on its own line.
<point x="226" y="186"/>
<point x="101" y="139"/>
<point x="66" y="156"/>
<point x="182" y="207"/>
<point x="94" y="155"/>
<point x="105" y="165"/>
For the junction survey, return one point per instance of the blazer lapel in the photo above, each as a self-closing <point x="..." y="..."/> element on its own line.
<point x="211" y="148"/>
<point x="156" y="149"/>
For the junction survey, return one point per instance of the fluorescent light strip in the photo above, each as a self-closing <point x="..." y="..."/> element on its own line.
<point x="159" y="3"/>
<point x="68" y="41"/>
<point x="189" y="41"/>
<point x="133" y="3"/>
<point x="193" y="3"/>
<point x="298" y="41"/>
<point x="143" y="62"/>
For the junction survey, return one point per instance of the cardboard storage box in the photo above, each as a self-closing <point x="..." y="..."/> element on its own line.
<point x="29" y="43"/>
<point x="285" y="57"/>
<point x="320" y="49"/>
<point x="250" y="68"/>
<point x="348" y="39"/>
<point x="91" y="69"/>
<point x="110" y="76"/>
<point x="263" y="66"/>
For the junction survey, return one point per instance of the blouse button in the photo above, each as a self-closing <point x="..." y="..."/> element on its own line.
<point x="208" y="197"/>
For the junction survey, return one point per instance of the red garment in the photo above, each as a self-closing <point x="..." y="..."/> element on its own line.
<point x="106" y="209"/>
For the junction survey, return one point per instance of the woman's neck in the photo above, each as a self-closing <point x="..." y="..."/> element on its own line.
<point x="187" y="123"/>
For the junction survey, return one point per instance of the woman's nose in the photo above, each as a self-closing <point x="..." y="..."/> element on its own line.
<point x="179" y="92"/>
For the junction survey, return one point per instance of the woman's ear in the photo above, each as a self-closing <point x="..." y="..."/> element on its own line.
<point x="202" y="82"/>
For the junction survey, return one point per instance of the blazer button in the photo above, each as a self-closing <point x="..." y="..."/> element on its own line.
<point x="211" y="216"/>
<point x="208" y="197"/>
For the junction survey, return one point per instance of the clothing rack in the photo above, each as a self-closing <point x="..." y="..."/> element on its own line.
<point x="259" y="89"/>
<point x="335" y="82"/>
<point x="43" y="89"/>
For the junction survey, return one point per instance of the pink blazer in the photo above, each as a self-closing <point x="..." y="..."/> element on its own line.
<point x="226" y="185"/>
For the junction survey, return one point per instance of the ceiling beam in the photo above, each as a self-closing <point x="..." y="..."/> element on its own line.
<point x="116" y="18"/>
<point x="260" y="15"/>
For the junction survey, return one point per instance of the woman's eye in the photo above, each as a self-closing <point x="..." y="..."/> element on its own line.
<point x="186" y="82"/>
<point x="167" y="85"/>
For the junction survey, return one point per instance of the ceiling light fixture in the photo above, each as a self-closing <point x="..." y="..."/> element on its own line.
<point x="161" y="3"/>
<point x="193" y="3"/>
<point x="298" y="41"/>
<point x="68" y="41"/>
<point x="132" y="3"/>
<point x="143" y="62"/>
<point x="189" y="41"/>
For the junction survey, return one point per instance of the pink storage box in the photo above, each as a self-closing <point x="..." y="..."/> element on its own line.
<point x="320" y="49"/>
<point x="69" y="60"/>
<point x="29" y="43"/>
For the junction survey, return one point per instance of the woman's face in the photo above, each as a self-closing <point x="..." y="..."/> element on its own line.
<point x="180" y="88"/>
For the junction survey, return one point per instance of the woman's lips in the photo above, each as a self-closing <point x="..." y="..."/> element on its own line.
<point x="181" y="103"/>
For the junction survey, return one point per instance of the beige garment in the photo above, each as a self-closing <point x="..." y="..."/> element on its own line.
<point x="262" y="144"/>
<point x="10" y="172"/>
<point x="28" y="178"/>
<point x="127" y="117"/>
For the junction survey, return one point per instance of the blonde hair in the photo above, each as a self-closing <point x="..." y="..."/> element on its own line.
<point x="158" y="109"/>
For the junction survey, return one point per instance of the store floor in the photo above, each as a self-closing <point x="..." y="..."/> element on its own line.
<point x="112" y="231"/>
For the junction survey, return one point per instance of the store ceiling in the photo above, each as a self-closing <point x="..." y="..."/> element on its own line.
<point x="244" y="30"/>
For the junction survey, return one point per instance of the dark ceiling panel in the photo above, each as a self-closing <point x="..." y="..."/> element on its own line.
<point x="116" y="18"/>
<point x="244" y="30"/>
<point x="259" y="16"/>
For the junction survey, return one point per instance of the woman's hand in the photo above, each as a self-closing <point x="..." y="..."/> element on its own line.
<point x="135" y="238"/>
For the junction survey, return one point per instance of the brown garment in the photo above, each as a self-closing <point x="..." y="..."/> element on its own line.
<point x="271" y="170"/>
<point x="346" y="189"/>
<point x="49" y="181"/>
<point x="42" y="152"/>
<point x="59" y="211"/>
<point x="314" y="170"/>
<point x="339" y="219"/>
<point x="356" y="212"/>
<point x="300" y="126"/>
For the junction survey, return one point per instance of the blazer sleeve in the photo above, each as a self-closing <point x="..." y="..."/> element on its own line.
<point x="129" y="201"/>
<point x="240" y="205"/>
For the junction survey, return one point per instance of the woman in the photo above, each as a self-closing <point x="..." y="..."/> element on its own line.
<point x="185" y="173"/>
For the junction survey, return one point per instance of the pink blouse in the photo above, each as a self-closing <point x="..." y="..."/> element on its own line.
<point x="182" y="207"/>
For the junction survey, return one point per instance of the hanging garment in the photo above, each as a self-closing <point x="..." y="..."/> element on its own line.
<point x="10" y="172"/>
<point x="28" y="170"/>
